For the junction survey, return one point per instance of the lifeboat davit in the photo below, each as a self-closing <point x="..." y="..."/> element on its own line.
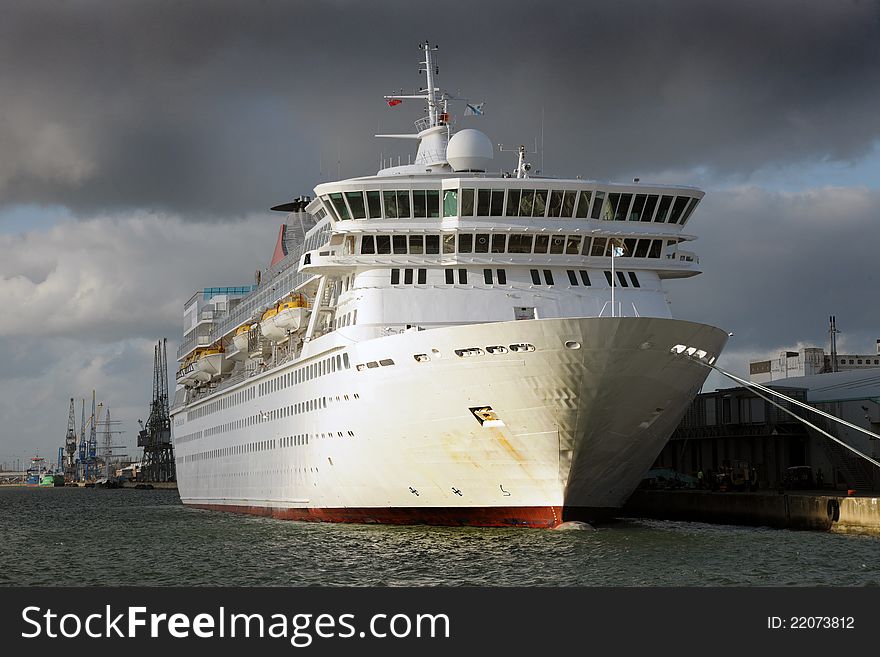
<point x="289" y="316"/>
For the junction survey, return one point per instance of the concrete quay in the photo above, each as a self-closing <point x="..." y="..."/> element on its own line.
<point x="818" y="511"/>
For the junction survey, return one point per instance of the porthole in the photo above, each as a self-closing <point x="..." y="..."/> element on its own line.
<point x="572" y="344"/>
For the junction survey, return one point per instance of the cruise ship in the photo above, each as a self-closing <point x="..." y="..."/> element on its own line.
<point x="447" y="342"/>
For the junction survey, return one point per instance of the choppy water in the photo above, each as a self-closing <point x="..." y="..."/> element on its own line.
<point x="75" y="536"/>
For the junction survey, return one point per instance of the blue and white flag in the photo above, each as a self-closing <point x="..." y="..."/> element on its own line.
<point x="474" y="110"/>
<point x="618" y="251"/>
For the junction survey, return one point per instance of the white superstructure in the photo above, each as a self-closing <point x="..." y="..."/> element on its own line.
<point x="440" y="343"/>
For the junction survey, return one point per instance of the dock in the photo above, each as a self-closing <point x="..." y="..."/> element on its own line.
<point x="808" y="510"/>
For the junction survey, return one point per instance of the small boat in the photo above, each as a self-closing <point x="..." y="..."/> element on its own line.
<point x="279" y="321"/>
<point x="211" y="363"/>
<point x="240" y="341"/>
<point x="186" y="373"/>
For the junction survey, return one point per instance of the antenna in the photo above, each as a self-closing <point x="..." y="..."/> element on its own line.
<point x="430" y="70"/>
<point x="832" y="330"/>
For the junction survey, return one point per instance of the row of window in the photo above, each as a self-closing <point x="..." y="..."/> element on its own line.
<point x="298" y="440"/>
<point x="300" y="375"/>
<point x="228" y="401"/>
<point x="490" y="277"/>
<point x="469" y="243"/>
<point x="537" y="203"/>
<point x="385" y="362"/>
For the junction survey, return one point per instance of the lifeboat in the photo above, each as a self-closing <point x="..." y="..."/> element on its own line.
<point x="211" y="363"/>
<point x="292" y="313"/>
<point x="289" y="316"/>
<point x="185" y="375"/>
<point x="240" y="340"/>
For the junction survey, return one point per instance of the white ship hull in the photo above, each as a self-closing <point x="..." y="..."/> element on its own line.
<point x="577" y="428"/>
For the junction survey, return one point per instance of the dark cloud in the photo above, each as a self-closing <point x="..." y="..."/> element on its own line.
<point x="778" y="264"/>
<point x="221" y="108"/>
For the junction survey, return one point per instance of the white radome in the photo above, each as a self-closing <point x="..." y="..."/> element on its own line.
<point x="469" y="150"/>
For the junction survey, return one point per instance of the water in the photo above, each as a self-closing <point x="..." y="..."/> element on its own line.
<point x="83" y="536"/>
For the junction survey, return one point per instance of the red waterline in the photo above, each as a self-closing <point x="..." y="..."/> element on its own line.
<point x="545" y="517"/>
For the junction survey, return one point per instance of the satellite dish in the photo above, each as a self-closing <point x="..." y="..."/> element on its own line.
<point x="469" y="150"/>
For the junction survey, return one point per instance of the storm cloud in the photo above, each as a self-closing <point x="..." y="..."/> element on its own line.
<point x="215" y="109"/>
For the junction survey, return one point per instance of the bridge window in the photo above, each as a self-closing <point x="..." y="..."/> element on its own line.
<point x="374" y="204"/>
<point x="383" y="244"/>
<point x="467" y="203"/>
<point x="423" y="276"/>
<point x="513" y="196"/>
<point x="391" y="205"/>
<point x="689" y="211"/>
<point x="597" y="206"/>
<point x="498" y="242"/>
<point x="572" y="277"/>
<point x="450" y="203"/>
<point x="557" y="243"/>
<point x="583" y="206"/>
<point x="548" y="277"/>
<point x="339" y="205"/>
<point x="462" y="276"/>
<point x="407" y="276"/>
<point x="450" y="276"/>
<point x="634" y="279"/>
<point x="568" y="203"/>
<point x="629" y="246"/>
<point x="656" y="248"/>
<point x="432" y="244"/>
<point x="356" y="203"/>
<point x="484" y="197"/>
<point x="585" y="277"/>
<point x="542" y="242"/>
<point x="497" y="202"/>
<point x="587" y="243"/>
<point x="465" y="243"/>
<point x="678" y="208"/>
<point x="540" y="203"/>
<point x="487" y="276"/>
<point x="642" y="248"/>
<point x="536" y="277"/>
<point x="502" y="276"/>
<point x="403" y="207"/>
<point x="420" y="207"/>
<point x="482" y="243"/>
<point x="555" y="205"/>
<point x="622" y="279"/>
<point x="368" y="245"/>
<point x="416" y="244"/>
<point x="622" y="211"/>
<point x="433" y="199"/>
<point x="638" y="206"/>
<point x="650" y="205"/>
<point x="399" y="244"/>
<point x="395" y="276"/>
<point x="663" y="209"/>
<point x="573" y="245"/>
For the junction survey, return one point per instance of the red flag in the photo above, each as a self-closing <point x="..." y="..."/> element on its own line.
<point x="394" y="101"/>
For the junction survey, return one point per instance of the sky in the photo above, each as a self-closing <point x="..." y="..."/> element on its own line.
<point x="142" y="143"/>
